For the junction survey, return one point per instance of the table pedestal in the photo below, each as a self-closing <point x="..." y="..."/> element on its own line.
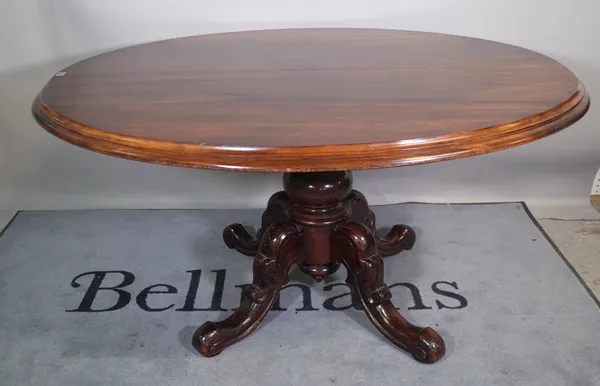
<point x="319" y="222"/>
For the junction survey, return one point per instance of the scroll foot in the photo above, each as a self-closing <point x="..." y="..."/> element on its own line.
<point x="398" y="239"/>
<point x="237" y="237"/>
<point x="365" y="276"/>
<point x="279" y="249"/>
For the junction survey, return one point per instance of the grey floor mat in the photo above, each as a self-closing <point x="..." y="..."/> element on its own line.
<point x="510" y="309"/>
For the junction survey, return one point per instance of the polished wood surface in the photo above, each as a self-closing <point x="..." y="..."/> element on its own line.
<point x="310" y="100"/>
<point x="319" y="223"/>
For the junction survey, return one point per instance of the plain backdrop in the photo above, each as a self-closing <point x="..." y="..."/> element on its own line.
<point x="40" y="37"/>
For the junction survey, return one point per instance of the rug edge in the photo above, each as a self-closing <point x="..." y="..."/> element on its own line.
<point x="9" y="223"/>
<point x="559" y="252"/>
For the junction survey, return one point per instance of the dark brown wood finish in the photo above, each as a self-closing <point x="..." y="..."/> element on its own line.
<point x="310" y="100"/>
<point x="399" y="238"/>
<point x="314" y="104"/>
<point x="319" y="223"/>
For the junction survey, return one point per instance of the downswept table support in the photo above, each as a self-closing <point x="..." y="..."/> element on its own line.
<point x="319" y="223"/>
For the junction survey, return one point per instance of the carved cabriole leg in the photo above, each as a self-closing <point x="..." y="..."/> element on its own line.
<point x="280" y="247"/>
<point x="365" y="277"/>
<point x="398" y="239"/>
<point x="237" y="237"/>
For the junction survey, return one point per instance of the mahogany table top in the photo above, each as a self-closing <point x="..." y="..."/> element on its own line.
<point x="310" y="100"/>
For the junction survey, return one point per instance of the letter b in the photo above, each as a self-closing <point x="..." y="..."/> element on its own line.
<point x="95" y="286"/>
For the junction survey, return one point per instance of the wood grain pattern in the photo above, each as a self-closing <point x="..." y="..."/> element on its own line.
<point x="310" y="100"/>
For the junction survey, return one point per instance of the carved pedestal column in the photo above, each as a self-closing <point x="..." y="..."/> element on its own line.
<point x="318" y="222"/>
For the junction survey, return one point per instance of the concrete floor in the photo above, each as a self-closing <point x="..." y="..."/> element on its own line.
<point x="579" y="241"/>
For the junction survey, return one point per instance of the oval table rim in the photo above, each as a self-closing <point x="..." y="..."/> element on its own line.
<point x="316" y="158"/>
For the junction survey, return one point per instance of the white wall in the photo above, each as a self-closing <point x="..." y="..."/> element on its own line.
<point x="39" y="37"/>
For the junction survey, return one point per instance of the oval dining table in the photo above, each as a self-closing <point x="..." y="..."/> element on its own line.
<point x="313" y="104"/>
